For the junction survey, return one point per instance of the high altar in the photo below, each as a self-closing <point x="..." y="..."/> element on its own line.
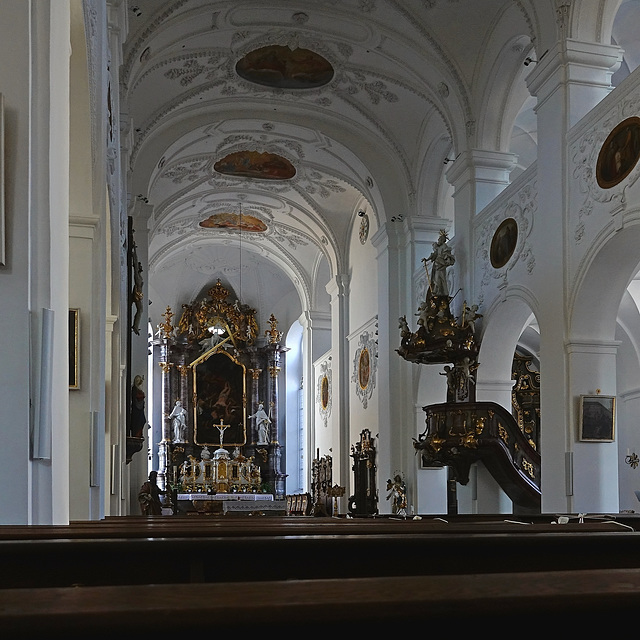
<point x="223" y="432"/>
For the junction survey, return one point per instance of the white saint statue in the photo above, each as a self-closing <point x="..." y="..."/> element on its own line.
<point x="262" y="422"/>
<point x="179" y="421"/>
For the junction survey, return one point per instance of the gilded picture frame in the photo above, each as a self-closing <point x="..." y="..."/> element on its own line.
<point x="219" y="382"/>
<point x="364" y="368"/>
<point x="619" y="153"/>
<point x="74" y="348"/>
<point x="324" y="392"/>
<point x="597" y="418"/>
<point x="503" y="243"/>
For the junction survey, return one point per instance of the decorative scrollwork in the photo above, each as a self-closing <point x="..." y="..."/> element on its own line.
<point x="218" y="319"/>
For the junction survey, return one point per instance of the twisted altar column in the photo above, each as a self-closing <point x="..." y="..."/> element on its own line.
<point x="274" y="370"/>
<point x="163" y="446"/>
<point x="277" y="429"/>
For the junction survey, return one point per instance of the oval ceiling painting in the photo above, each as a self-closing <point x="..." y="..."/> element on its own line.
<point x="284" y="68"/>
<point x="234" y="221"/>
<point x="253" y="164"/>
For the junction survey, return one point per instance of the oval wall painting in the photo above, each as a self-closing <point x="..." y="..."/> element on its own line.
<point x="284" y="68"/>
<point x="619" y="153"/>
<point x="234" y="221"/>
<point x="253" y="164"/>
<point x="503" y="243"/>
<point x="324" y="392"/>
<point x="364" y="368"/>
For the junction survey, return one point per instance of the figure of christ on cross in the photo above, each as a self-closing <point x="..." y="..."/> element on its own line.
<point x="221" y="427"/>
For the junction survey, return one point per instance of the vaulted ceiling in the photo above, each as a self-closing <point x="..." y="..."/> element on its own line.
<point x="255" y="165"/>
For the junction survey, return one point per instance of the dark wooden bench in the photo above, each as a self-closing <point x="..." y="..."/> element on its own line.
<point x="171" y="573"/>
<point x="173" y="551"/>
<point x="574" y="600"/>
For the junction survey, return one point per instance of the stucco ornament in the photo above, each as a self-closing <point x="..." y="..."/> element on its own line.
<point x="365" y="364"/>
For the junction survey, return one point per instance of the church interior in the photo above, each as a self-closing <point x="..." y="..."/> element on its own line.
<point x="341" y="278"/>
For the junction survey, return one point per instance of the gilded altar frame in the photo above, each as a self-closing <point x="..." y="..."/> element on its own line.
<point x="219" y="400"/>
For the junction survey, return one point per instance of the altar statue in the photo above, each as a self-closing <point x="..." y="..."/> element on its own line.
<point x="262" y="421"/>
<point x="179" y="420"/>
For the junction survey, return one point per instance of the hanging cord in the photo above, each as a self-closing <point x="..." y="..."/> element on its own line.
<point x="240" y="226"/>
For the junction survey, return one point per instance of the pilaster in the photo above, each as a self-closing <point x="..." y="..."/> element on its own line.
<point x="478" y="176"/>
<point x="568" y="81"/>
<point x="338" y="290"/>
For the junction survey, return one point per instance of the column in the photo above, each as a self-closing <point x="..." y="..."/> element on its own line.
<point x="478" y="176"/>
<point x="338" y="289"/>
<point x="568" y="81"/>
<point x="164" y="444"/>
<point x="592" y="367"/>
<point x="277" y="429"/>
<point x="254" y="399"/>
<point x="184" y="395"/>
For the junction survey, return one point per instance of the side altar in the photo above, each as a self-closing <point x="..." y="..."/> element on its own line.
<point x="223" y="431"/>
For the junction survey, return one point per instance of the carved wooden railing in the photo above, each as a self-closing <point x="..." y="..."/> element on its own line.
<point x="459" y="434"/>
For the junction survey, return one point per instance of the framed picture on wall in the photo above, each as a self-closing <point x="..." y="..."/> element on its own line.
<point x="74" y="345"/>
<point x="619" y="153"/>
<point x="597" y="418"/>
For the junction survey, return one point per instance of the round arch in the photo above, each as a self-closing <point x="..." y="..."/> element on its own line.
<point x="601" y="281"/>
<point x="502" y="329"/>
<point x="295" y="276"/>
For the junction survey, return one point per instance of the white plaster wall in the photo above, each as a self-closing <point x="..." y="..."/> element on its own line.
<point x="593" y="210"/>
<point x="363" y="309"/>
<point x="34" y="80"/>
<point x="14" y="319"/>
<point x="628" y="425"/>
<point x="85" y="495"/>
<point x="326" y="429"/>
<point x="294" y="455"/>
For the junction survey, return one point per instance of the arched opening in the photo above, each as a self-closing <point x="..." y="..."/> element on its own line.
<point x="603" y="360"/>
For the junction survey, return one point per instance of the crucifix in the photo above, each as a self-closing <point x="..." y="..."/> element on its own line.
<point x="221" y="427"/>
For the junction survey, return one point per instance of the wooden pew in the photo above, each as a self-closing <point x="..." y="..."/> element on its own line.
<point x="168" y="574"/>
<point x="572" y="600"/>
<point x="143" y="527"/>
<point x="175" y="551"/>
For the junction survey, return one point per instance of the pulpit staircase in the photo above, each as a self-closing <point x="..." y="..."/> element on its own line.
<point x="459" y="434"/>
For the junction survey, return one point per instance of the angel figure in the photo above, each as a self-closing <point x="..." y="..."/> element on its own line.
<point x="469" y="315"/>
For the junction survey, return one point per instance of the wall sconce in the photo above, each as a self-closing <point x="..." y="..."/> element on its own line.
<point x="361" y="214"/>
<point x="632" y="459"/>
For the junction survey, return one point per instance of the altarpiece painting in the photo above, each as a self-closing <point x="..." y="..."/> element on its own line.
<point x="219" y="407"/>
